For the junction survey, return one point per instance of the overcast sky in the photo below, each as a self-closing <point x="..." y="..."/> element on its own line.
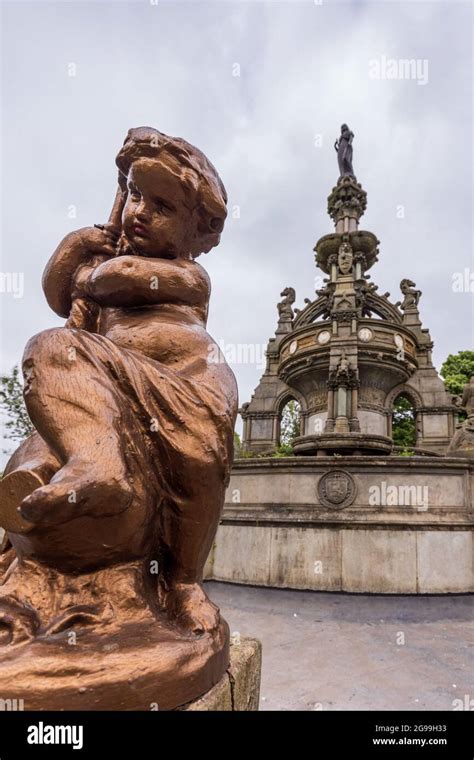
<point x="261" y="88"/>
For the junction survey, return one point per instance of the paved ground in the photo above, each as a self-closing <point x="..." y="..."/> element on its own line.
<point x="346" y="652"/>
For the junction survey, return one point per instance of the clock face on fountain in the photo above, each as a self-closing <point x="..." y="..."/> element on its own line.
<point x="324" y="337"/>
<point x="365" y="334"/>
<point x="398" y="340"/>
<point x="293" y="346"/>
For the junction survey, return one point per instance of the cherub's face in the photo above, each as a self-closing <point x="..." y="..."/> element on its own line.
<point x="155" y="218"/>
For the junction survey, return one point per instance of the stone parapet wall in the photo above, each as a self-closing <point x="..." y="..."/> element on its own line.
<point x="276" y="531"/>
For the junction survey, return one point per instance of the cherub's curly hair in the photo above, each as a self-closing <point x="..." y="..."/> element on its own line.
<point x="207" y="194"/>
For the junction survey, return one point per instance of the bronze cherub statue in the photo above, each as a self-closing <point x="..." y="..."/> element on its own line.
<point x="111" y="507"/>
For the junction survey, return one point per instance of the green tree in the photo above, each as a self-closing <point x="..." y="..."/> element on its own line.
<point x="403" y="423"/>
<point x="290" y="424"/>
<point x="237" y="446"/>
<point x="457" y="370"/>
<point x="12" y="406"/>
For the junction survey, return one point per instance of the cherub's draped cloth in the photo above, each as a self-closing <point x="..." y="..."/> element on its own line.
<point x="174" y="435"/>
<point x="180" y="428"/>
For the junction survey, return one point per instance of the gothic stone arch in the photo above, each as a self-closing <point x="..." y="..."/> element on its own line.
<point x="413" y="396"/>
<point x="280" y="403"/>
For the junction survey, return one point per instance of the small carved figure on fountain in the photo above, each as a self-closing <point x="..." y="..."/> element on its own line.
<point x="343" y="374"/>
<point x="343" y="367"/>
<point x="411" y="295"/>
<point x="285" y="307"/>
<point x="343" y="146"/>
<point x="363" y="289"/>
<point x="327" y="292"/>
<point x="467" y="401"/>
<point x="345" y="258"/>
<point x="462" y="445"/>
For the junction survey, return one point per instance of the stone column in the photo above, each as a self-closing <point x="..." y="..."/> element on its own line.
<point x="354" y="419"/>
<point x="342" y="422"/>
<point x="245" y="431"/>
<point x="275" y="423"/>
<point x="329" y="427"/>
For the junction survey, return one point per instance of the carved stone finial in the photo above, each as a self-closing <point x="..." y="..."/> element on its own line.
<point x="347" y="198"/>
<point x="360" y="257"/>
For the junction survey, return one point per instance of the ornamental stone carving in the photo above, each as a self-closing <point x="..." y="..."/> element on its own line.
<point x="337" y="489"/>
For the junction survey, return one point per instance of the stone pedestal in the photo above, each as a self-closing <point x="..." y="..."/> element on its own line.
<point x="404" y="526"/>
<point x="239" y="689"/>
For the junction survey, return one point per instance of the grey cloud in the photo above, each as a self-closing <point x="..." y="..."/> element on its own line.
<point x="304" y="68"/>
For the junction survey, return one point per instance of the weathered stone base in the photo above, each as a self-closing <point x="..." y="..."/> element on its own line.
<point x="372" y="561"/>
<point x="239" y="689"/>
<point x="276" y="532"/>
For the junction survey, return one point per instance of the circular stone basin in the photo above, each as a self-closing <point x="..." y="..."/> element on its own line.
<point x="342" y="443"/>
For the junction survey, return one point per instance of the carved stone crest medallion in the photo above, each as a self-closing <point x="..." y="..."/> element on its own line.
<point x="336" y="489"/>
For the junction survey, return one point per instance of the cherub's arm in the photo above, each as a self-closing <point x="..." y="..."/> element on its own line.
<point x="71" y="263"/>
<point x="85" y="312"/>
<point x="74" y="251"/>
<point x="138" y="281"/>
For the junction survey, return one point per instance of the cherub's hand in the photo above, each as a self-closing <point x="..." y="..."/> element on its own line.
<point x="98" y="245"/>
<point x="77" y="249"/>
<point x="84" y="311"/>
<point x="100" y="239"/>
<point x="82" y="275"/>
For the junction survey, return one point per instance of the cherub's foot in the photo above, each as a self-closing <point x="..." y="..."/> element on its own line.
<point x="189" y="605"/>
<point x="14" y="488"/>
<point x="77" y="489"/>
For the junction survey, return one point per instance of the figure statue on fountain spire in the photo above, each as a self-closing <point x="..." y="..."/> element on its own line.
<point x="343" y="146"/>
